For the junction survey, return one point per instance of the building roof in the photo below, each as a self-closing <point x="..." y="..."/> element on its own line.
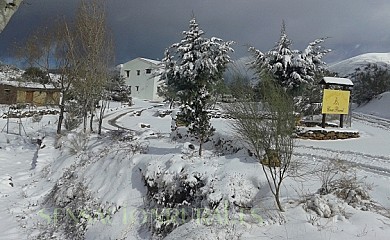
<point x="9" y="74"/>
<point x="21" y="84"/>
<point x="146" y="60"/>
<point x="155" y="62"/>
<point x="337" y="81"/>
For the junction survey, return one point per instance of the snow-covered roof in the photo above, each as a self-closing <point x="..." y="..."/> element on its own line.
<point x="156" y="62"/>
<point x="26" y="84"/>
<point x="337" y="81"/>
<point x="9" y="74"/>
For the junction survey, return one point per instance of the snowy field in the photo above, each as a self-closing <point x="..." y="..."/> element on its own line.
<point x="94" y="187"/>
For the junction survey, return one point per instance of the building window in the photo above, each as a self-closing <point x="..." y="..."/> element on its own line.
<point x="137" y="88"/>
<point x="148" y="71"/>
<point x="127" y="73"/>
<point x="138" y="72"/>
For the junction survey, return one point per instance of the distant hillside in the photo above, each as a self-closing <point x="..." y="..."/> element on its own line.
<point x="346" y="67"/>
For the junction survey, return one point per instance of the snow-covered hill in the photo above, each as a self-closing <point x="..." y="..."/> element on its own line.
<point x="348" y="66"/>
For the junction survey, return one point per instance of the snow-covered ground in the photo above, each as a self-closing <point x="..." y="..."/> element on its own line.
<point x="93" y="187"/>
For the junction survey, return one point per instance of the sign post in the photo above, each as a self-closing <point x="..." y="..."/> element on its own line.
<point x="336" y="101"/>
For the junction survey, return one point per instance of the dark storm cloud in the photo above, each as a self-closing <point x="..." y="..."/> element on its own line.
<point x="146" y="27"/>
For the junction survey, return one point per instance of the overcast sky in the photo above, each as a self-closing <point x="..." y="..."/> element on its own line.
<point x="145" y="28"/>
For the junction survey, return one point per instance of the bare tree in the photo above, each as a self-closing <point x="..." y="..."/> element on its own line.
<point x="266" y="127"/>
<point x="7" y="10"/>
<point x="92" y="53"/>
<point x="80" y="52"/>
<point x="47" y="49"/>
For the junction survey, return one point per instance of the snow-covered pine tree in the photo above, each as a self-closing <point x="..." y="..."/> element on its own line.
<point x="192" y="68"/>
<point x="313" y="69"/>
<point x="292" y="69"/>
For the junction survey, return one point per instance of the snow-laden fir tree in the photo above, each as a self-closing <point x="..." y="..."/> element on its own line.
<point x="192" y="68"/>
<point x="294" y="70"/>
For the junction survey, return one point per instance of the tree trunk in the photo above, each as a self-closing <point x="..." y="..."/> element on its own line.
<point x="200" y="145"/>
<point x="101" y="115"/>
<point x="100" y="125"/>
<point x="61" y="114"/>
<point x="91" y="121"/>
<point x="60" y="118"/>
<point x="85" y="115"/>
<point x="277" y="199"/>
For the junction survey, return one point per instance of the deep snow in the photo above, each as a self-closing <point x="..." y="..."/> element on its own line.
<point x="110" y="170"/>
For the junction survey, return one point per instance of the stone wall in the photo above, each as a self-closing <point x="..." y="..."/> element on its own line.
<point x="327" y="134"/>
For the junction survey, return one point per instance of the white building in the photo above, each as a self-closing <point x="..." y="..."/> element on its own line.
<point x="140" y="75"/>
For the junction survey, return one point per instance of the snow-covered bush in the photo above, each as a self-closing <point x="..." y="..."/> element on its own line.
<point x="77" y="143"/>
<point x="173" y="191"/>
<point x="73" y="117"/>
<point x="219" y="144"/>
<point x="181" y="189"/>
<point x="340" y="187"/>
<point x="352" y="190"/>
<point x="122" y="135"/>
<point x="71" y="122"/>
<point x="72" y="207"/>
<point x="323" y="206"/>
<point x="341" y="180"/>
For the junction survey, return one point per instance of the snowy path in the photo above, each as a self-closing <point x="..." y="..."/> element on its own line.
<point x="112" y="121"/>
<point x="109" y="120"/>
<point x="377" y="164"/>
<point x="369" y="152"/>
<point x="372" y="120"/>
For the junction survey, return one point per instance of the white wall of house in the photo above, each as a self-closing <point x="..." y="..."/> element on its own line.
<point x="139" y="75"/>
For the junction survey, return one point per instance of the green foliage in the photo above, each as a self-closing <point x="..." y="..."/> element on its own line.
<point x="370" y="81"/>
<point x="116" y="89"/>
<point x="238" y="86"/>
<point x="168" y="92"/>
<point x="35" y="74"/>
